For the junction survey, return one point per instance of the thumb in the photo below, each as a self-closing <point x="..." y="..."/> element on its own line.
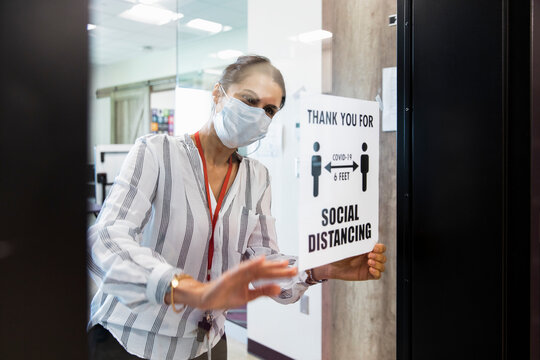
<point x="265" y="290"/>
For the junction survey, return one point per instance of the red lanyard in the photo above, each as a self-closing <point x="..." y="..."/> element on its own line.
<point x="213" y="217"/>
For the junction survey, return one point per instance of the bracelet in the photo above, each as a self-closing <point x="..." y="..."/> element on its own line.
<point x="310" y="280"/>
<point x="174" y="284"/>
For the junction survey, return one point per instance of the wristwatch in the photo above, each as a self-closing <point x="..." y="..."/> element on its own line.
<point x="310" y="280"/>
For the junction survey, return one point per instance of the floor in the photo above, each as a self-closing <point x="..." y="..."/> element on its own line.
<point x="238" y="351"/>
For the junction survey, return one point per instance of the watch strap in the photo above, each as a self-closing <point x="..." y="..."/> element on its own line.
<point x="310" y="280"/>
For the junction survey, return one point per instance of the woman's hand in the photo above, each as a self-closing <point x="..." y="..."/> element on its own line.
<point x="232" y="288"/>
<point x="368" y="266"/>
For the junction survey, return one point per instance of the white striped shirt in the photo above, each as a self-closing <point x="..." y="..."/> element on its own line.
<point x="155" y="223"/>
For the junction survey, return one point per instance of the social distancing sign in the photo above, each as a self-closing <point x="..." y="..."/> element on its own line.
<point x="339" y="175"/>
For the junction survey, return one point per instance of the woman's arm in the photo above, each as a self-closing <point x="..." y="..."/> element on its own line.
<point x="369" y="266"/>
<point x="232" y="288"/>
<point x="136" y="275"/>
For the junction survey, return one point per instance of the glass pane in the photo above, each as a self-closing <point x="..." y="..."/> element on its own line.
<point x="331" y="47"/>
<point x="269" y="29"/>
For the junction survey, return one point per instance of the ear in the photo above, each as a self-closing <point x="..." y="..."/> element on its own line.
<point x="216" y="93"/>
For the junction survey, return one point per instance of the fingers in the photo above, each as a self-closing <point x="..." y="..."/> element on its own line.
<point x="260" y="268"/>
<point x="377" y="257"/>
<point x="377" y="253"/>
<point x="376" y="260"/>
<point x="265" y="290"/>
<point x="375" y="273"/>
<point x="271" y="269"/>
<point x="379" y="248"/>
<point x="377" y="265"/>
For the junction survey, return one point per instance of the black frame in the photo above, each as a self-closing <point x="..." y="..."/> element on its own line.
<point x="404" y="178"/>
<point x="43" y="119"/>
<point x="494" y="38"/>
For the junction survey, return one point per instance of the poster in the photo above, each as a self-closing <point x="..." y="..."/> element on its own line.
<point x="162" y="121"/>
<point x="339" y="179"/>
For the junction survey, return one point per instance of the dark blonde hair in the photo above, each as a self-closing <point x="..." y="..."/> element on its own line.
<point x="239" y="70"/>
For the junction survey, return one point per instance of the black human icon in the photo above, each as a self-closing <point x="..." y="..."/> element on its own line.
<point x="316" y="168"/>
<point x="364" y="167"/>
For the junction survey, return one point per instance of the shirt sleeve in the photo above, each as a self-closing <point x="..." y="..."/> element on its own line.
<point x="263" y="242"/>
<point x="138" y="276"/>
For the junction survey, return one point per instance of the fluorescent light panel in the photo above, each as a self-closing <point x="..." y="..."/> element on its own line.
<point x="205" y="25"/>
<point x="150" y="14"/>
<point x="213" y="71"/>
<point x="313" y="36"/>
<point x="229" y="54"/>
<point x="90" y="27"/>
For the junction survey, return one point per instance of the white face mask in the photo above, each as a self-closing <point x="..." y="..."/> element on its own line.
<point x="239" y="124"/>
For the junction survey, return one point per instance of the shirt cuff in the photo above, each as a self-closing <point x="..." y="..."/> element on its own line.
<point x="303" y="277"/>
<point x="159" y="280"/>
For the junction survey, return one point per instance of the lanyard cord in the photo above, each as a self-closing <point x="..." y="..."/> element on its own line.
<point x="213" y="217"/>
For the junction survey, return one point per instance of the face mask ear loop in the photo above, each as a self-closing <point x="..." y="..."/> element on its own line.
<point x="213" y="110"/>
<point x="257" y="148"/>
<point x="222" y="89"/>
<point x="214" y="105"/>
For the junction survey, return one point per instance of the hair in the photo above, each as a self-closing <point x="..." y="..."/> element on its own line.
<point x="239" y="70"/>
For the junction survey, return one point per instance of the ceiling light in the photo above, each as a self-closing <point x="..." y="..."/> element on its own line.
<point x="90" y="27"/>
<point x="213" y="71"/>
<point x="205" y="25"/>
<point x="316" y="35"/>
<point x="227" y="28"/>
<point x="150" y="15"/>
<point x="229" y="54"/>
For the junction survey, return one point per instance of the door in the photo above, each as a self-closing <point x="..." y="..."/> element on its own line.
<point x="463" y="179"/>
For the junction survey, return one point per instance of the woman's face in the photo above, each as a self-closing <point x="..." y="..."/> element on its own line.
<point x="257" y="90"/>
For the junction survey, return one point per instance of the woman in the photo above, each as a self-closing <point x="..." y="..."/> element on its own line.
<point x="165" y="263"/>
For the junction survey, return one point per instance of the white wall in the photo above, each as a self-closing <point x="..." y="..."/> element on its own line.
<point x="193" y="109"/>
<point x="271" y="24"/>
<point x="162" y="100"/>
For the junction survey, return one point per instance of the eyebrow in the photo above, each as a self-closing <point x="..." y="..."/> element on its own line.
<point x="257" y="99"/>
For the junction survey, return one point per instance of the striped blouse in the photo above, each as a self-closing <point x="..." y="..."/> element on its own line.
<point x="155" y="223"/>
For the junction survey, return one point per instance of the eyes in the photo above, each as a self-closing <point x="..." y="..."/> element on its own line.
<point x="269" y="111"/>
<point x="250" y="100"/>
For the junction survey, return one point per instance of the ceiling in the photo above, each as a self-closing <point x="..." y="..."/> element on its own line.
<point x="117" y="39"/>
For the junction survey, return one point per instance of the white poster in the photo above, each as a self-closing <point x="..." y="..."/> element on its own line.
<point x="339" y="179"/>
<point x="389" y="99"/>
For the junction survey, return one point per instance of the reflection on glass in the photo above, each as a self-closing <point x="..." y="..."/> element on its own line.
<point x="155" y="66"/>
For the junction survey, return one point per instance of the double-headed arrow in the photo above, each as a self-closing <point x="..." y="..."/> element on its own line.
<point x="329" y="167"/>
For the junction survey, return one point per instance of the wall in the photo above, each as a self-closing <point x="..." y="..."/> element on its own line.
<point x="193" y="56"/>
<point x="154" y="65"/>
<point x="162" y="99"/>
<point x="362" y="320"/>
<point x="284" y="328"/>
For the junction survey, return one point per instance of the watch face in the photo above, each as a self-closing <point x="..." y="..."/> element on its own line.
<point x="174" y="283"/>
